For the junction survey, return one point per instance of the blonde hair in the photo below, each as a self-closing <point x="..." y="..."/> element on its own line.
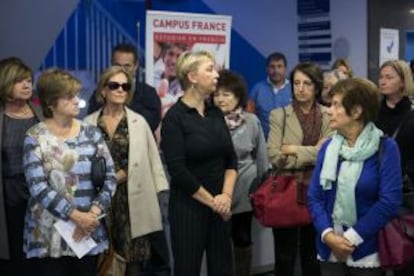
<point x="54" y="84"/>
<point x="12" y="70"/>
<point x="404" y="72"/>
<point x="104" y="78"/>
<point x="189" y="62"/>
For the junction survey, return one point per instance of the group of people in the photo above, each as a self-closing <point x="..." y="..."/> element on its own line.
<point x="351" y="145"/>
<point x="355" y="139"/>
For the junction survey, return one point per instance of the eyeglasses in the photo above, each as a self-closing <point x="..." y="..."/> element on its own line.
<point x="112" y="85"/>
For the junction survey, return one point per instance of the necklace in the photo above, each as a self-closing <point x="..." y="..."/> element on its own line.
<point x="23" y="112"/>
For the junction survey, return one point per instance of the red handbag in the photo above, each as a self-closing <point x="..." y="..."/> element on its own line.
<point x="279" y="202"/>
<point x="396" y="242"/>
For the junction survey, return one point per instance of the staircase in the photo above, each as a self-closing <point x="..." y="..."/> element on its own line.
<point x="84" y="45"/>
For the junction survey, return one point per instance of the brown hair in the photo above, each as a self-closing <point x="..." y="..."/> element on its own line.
<point x="104" y="78"/>
<point x="359" y="92"/>
<point x="54" y="84"/>
<point x="343" y="62"/>
<point x="12" y="70"/>
<point x="312" y="71"/>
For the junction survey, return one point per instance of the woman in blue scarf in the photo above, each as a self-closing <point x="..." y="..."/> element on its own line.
<point x="354" y="192"/>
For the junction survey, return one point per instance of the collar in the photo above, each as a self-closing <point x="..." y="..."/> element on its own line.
<point x="209" y="106"/>
<point x="286" y="82"/>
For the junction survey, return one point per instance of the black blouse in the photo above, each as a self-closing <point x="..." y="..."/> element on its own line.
<point x="198" y="150"/>
<point x="401" y="117"/>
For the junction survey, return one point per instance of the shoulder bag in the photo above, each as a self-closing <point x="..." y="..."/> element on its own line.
<point x="278" y="199"/>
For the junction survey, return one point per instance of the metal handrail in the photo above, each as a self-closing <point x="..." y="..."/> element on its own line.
<point x="86" y="40"/>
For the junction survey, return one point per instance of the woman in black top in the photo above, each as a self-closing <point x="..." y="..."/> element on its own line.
<point x="17" y="115"/>
<point x="202" y="163"/>
<point x="396" y="119"/>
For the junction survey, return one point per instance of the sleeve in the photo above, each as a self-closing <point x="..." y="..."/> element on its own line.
<point x="103" y="199"/>
<point x="231" y="158"/>
<point x="40" y="190"/>
<point x="172" y="145"/>
<point x="148" y="105"/>
<point x="253" y="93"/>
<point x="157" y="169"/>
<point x="389" y="193"/>
<point x="260" y="153"/>
<point x="275" y="139"/>
<point x="317" y="198"/>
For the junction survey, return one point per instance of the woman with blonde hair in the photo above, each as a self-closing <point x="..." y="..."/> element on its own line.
<point x="396" y="119"/>
<point x="330" y="78"/>
<point x="135" y="211"/>
<point x="202" y="163"/>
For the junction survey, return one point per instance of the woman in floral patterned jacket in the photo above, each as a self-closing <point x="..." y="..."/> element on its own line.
<point x="57" y="163"/>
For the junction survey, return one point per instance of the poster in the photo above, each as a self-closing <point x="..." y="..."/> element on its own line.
<point x="389" y="45"/>
<point x="168" y="34"/>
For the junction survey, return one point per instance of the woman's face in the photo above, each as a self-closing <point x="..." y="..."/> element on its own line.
<point x="338" y="118"/>
<point x="303" y="88"/>
<point x="22" y="89"/>
<point x="390" y="82"/>
<point x="67" y="107"/>
<point x="206" y="77"/>
<point x="344" y="70"/>
<point x="225" y="100"/>
<point x="328" y="83"/>
<point x="115" y="91"/>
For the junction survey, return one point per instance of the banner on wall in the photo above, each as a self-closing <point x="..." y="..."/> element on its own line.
<point x="389" y="45"/>
<point x="168" y="34"/>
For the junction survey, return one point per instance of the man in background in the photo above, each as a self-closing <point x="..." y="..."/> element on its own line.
<point x="271" y="93"/>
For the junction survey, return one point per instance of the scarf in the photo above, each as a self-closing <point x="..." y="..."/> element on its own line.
<point x="366" y="145"/>
<point x="310" y="123"/>
<point x="235" y="118"/>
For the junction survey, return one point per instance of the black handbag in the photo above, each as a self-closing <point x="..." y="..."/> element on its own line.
<point x="98" y="172"/>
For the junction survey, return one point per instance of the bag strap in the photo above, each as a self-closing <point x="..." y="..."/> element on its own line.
<point x="284" y="123"/>
<point x="380" y="152"/>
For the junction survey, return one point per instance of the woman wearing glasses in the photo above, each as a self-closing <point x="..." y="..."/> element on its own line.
<point x="139" y="172"/>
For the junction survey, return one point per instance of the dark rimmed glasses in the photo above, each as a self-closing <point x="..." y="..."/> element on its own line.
<point x="113" y="85"/>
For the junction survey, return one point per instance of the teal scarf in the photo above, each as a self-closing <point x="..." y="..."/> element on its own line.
<point x="366" y="145"/>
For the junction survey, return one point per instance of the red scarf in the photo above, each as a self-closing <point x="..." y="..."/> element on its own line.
<point x="311" y="123"/>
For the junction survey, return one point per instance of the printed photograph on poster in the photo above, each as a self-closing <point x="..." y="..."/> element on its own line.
<point x="389" y="45"/>
<point x="168" y="35"/>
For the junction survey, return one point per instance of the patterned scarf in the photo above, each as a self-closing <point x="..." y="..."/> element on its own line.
<point x="311" y="123"/>
<point x="235" y="118"/>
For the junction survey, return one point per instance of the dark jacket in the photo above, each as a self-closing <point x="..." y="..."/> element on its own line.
<point x="4" y="240"/>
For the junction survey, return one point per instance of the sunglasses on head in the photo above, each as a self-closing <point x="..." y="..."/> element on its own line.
<point x="112" y="85"/>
